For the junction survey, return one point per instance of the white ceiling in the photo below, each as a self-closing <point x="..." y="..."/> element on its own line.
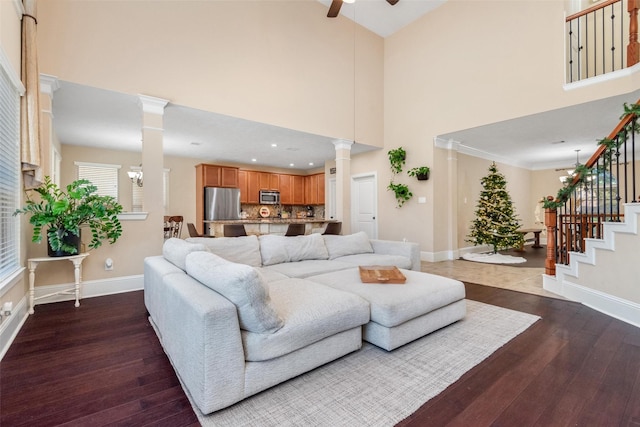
<point x="382" y="18"/>
<point x="88" y="116"/>
<point x="545" y="140"/>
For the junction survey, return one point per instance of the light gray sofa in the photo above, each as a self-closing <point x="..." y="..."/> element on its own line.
<point x="239" y="315"/>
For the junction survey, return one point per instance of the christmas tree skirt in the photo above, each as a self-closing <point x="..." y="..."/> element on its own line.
<point x="492" y="258"/>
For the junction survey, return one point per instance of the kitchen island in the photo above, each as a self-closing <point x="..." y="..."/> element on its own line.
<point x="269" y="225"/>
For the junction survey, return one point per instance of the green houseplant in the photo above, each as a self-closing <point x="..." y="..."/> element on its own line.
<point x="401" y="191"/>
<point x="397" y="159"/>
<point x="63" y="213"/>
<point x="421" y="173"/>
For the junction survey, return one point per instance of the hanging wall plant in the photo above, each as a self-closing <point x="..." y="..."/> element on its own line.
<point x="421" y="173"/>
<point x="401" y="192"/>
<point x="397" y="159"/>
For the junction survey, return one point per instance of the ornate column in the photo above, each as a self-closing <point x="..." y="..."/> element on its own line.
<point x="153" y="163"/>
<point x="50" y="154"/>
<point x="343" y="183"/>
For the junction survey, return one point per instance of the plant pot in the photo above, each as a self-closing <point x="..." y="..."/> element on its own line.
<point x="69" y="239"/>
<point x="423" y="177"/>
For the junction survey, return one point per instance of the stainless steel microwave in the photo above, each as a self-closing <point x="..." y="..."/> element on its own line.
<point x="269" y="197"/>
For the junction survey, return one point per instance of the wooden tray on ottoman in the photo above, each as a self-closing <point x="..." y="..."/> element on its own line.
<point x="381" y="274"/>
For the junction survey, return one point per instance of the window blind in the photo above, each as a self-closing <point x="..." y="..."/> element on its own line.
<point x="9" y="176"/>
<point x="103" y="176"/>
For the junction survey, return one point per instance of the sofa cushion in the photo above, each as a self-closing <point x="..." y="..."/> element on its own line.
<point x="239" y="283"/>
<point x="349" y="244"/>
<point x="392" y="305"/>
<point x="377" y="259"/>
<point x="243" y="250"/>
<point x="276" y="249"/>
<point x="176" y="250"/>
<point x="311" y="267"/>
<point x="311" y="312"/>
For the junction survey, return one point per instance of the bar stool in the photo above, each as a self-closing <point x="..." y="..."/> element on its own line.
<point x="234" y="230"/>
<point x="333" y="228"/>
<point x="295" y="230"/>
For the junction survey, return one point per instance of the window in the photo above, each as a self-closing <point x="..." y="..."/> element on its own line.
<point x="9" y="176"/>
<point x="137" y="192"/>
<point x="103" y="176"/>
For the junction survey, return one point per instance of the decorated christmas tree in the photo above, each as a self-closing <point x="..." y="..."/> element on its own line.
<point x="496" y="222"/>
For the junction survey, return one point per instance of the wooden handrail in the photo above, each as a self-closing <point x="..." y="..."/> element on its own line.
<point x="591" y="9"/>
<point x="601" y="148"/>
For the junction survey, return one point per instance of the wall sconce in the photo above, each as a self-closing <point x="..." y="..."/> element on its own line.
<point x="135" y="175"/>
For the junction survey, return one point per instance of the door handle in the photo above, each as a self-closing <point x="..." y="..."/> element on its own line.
<point x="374" y="217"/>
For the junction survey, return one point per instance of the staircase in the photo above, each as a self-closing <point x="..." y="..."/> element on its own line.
<point x="606" y="276"/>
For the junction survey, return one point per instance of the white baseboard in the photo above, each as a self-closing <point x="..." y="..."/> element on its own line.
<point x="12" y="324"/>
<point x="91" y="288"/>
<point x="621" y="309"/>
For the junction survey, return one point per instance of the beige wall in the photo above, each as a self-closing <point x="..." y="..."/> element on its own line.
<point x="10" y="45"/>
<point x="275" y="62"/>
<point x="285" y="64"/>
<point x="463" y="65"/>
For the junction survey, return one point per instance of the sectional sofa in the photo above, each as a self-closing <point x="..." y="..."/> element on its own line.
<point x="239" y="315"/>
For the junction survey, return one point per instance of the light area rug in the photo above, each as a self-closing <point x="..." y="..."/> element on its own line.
<point x="373" y="387"/>
<point x="492" y="258"/>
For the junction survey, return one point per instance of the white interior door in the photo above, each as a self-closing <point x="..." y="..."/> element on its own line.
<point x="331" y="200"/>
<point x="364" y="204"/>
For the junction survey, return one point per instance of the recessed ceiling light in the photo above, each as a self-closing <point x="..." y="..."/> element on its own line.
<point x="254" y="160"/>
<point x="291" y="164"/>
<point x="310" y="163"/>
<point x="274" y="145"/>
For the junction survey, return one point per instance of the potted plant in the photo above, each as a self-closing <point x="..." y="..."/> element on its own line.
<point x="63" y="213"/>
<point x="397" y="158"/>
<point x="422" y="173"/>
<point x="401" y="191"/>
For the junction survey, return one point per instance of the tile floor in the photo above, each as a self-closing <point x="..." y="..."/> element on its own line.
<point x="521" y="279"/>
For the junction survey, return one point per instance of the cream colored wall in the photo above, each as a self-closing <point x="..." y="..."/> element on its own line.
<point x="463" y="65"/>
<point x="10" y="45"/>
<point x="615" y="273"/>
<point x="282" y="63"/>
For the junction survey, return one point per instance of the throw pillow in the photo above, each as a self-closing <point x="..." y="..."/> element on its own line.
<point x="243" y="250"/>
<point x="278" y="249"/>
<point x="350" y="244"/>
<point x="242" y="285"/>
<point x="176" y="250"/>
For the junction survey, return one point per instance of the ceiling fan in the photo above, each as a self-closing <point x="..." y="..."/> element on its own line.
<point x="334" y="9"/>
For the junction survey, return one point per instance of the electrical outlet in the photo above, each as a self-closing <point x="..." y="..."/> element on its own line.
<point x="108" y="264"/>
<point x="7" y="308"/>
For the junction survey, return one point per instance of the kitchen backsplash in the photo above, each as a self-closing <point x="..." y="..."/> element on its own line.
<point x="294" y="211"/>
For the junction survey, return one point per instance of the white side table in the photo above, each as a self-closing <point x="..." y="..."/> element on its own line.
<point x="76" y="260"/>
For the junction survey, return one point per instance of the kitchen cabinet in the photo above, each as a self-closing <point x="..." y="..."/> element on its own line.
<point x="314" y="189"/>
<point x="285" y="185"/>
<point x="253" y="187"/>
<point x="218" y="176"/>
<point x="297" y="190"/>
<point x="242" y="185"/>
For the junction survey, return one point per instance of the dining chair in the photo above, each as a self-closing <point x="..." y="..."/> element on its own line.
<point x="333" y="228"/>
<point x="173" y="226"/>
<point x="193" y="232"/>
<point x="234" y="230"/>
<point x="295" y="230"/>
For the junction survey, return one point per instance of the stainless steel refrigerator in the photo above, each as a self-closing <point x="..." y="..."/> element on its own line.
<point x="221" y="203"/>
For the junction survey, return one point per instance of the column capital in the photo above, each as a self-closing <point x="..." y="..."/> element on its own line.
<point x="153" y="105"/>
<point x="342" y="144"/>
<point x="49" y="84"/>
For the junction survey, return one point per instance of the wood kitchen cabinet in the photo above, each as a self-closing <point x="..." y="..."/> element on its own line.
<point x="314" y="189"/>
<point x="243" y="186"/>
<point x="285" y="186"/>
<point x="217" y="176"/>
<point x="297" y="190"/>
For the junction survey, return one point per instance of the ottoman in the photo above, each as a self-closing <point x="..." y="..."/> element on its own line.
<point x="401" y="313"/>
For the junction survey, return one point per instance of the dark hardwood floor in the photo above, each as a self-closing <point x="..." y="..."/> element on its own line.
<point x="101" y="364"/>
